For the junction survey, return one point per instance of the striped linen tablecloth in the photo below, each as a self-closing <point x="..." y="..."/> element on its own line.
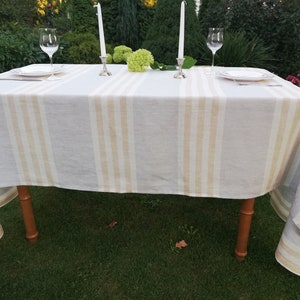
<point x="151" y="133"/>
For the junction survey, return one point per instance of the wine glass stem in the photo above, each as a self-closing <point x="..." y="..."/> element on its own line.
<point x="213" y="60"/>
<point x="51" y="64"/>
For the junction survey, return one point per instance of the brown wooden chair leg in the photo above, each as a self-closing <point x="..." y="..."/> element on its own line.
<point x="27" y="212"/>
<point x="246" y="213"/>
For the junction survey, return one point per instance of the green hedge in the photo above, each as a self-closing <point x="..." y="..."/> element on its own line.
<point x="276" y="23"/>
<point x="19" y="46"/>
<point x="258" y="33"/>
<point x="163" y="33"/>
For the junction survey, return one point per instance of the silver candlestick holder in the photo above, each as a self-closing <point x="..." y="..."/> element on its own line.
<point x="104" y="71"/>
<point x="180" y="74"/>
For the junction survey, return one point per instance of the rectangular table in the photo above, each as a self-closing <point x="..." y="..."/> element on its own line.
<point x="201" y="136"/>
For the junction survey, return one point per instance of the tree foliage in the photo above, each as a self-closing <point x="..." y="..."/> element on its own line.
<point x="17" y="11"/>
<point x="83" y="16"/>
<point x="274" y="22"/>
<point x="19" y="46"/>
<point x="271" y="26"/>
<point x="127" y="24"/>
<point x="163" y="35"/>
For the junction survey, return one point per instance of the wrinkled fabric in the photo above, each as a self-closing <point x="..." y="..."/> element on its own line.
<point x="203" y="136"/>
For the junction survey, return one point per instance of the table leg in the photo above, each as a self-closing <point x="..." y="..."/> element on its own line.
<point x="246" y="213"/>
<point x="27" y="212"/>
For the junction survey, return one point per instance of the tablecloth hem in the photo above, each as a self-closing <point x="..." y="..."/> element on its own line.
<point x="152" y="191"/>
<point x="286" y="264"/>
<point x="8" y="195"/>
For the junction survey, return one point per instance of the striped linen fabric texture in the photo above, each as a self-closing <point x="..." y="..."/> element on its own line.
<point x="201" y="136"/>
<point x="148" y="132"/>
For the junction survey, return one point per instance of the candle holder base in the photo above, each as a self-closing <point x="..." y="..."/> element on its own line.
<point x="104" y="71"/>
<point x="180" y="74"/>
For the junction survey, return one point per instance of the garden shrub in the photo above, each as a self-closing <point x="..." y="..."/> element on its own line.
<point x="272" y="27"/>
<point x="22" y="12"/>
<point x="127" y="24"/>
<point x="19" y="46"/>
<point x="81" y="48"/>
<point x="275" y="22"/>
<point x="83" y="16"/>
<point x="162" y="37"/>
<point x="238" y="51"/>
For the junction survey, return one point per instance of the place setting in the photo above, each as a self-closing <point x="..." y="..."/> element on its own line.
<point x="49" y="43"/>
<point x="246" y="76"/>
<point x="241" y="76"/>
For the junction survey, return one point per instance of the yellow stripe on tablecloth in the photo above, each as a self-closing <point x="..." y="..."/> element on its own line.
<point x="202" y="122"/>
<point x="293" y="136"/>
<point x="30" y="144"/>
<point x="97" y="129"/>
<point x="43" y="142"/>
<point x="29" y="140"/>
<point x="112" y="149"/>
<point x="280" y="205"/>
<point x="186" y="146"/>
<point x="287" y="254"/>
<point x="18" y="147"/>
<point x="285" y="132"/>
<point x="199" y="149"/>
<point x="103" y="161"/>
<point x="191" y="128"/>
<point x="125" y="142"/>
<point x="28" y="128"/>
<point x="99" y="140"/>
<point x="112" y="125"/>
<point x="214" y="119"/>
<point x="283" y="137"/>
<point x="276" y="144"/>
<point x="292" y="168"/>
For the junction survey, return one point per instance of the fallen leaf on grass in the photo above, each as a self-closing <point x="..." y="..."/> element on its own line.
<point x="181" y="244"/>
<point x="112" y="224"/>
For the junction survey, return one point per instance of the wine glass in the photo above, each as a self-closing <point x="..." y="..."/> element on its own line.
<point x="214" y="42"/>
<point x="49" y="44"/>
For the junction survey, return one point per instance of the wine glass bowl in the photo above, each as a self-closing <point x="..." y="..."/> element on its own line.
<point x="214" y="41"/>
<point x="49" y="44"/>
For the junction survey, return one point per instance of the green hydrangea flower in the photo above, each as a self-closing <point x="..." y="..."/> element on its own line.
<point x="109" y="58"/>
<point x="121" y="53"/>
<point x="139" y="60"/>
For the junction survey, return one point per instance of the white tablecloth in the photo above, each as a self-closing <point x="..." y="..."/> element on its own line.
<point x="148" y="133"/>
<point x="7" y="194"/>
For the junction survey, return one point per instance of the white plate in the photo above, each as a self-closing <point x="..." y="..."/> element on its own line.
<point x="37" y="70"/>
<point x="245" y="74"/>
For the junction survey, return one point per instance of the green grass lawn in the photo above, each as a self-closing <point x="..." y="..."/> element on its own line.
<point x="78" y="256"/>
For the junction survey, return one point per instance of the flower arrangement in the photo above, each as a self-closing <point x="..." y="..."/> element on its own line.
<point x="295" y="79"/>
<point x="121" y="53"/>
<point x="139" y="60"/>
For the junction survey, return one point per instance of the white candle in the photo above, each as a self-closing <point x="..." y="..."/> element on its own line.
<point x="101" y="31"/>
<point x="181" y="30"/>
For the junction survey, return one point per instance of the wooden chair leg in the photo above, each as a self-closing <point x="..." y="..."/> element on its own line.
<point x="27" y="212"/>
<point x="246" y="213"/>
